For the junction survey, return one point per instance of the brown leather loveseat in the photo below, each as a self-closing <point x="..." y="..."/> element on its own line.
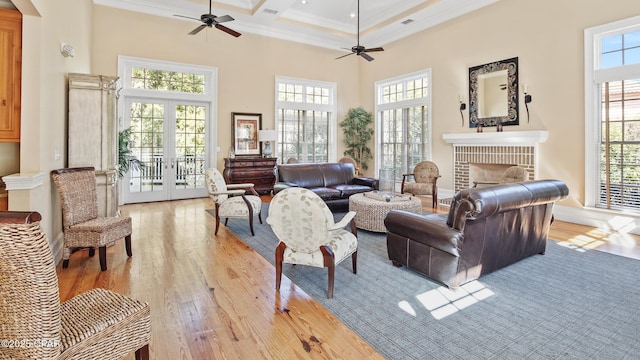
<point x="486" y="229"/>
<point x="333" y="182"/>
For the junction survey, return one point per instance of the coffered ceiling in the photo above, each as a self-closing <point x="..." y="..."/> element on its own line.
<point x="325" y="23"/>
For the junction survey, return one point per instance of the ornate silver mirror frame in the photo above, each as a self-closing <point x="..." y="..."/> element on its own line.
<point x="493" y="93"/>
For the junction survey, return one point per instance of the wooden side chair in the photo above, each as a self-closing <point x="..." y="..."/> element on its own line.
<point x="425" y="178"/>
<point x="81" y="225"/>
<point x="231" y="200"/>
<point x="97" y="324"/>
<point x="308" y="234"/>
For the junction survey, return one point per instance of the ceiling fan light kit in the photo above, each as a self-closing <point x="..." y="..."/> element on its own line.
<point x="210" y="20"/>
<point x="360" y="50"/>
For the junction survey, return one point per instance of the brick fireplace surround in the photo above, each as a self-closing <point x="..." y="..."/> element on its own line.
<point x="484" y="156"/>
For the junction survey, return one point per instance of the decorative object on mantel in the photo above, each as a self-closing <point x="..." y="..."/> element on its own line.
<point x="499" y="127"/>
<point x="493" y="93"/>
<point x="244" y="128"/>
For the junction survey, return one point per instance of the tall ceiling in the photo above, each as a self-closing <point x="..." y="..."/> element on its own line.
<point x="324" y="23"/>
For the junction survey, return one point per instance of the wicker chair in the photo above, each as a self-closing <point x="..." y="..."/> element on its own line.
<point x="230" y="199"/>
<point x="82" y="227"/>
<point x="513" y="174"/>
<point x="308" y="235"/>
<point x="97" y="324"/>
<point x="425" y="175"/>
<point x="349" y="160"/>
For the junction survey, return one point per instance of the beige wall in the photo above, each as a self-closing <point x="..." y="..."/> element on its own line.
<point x="246" y="65"/>
<point x="546" y="36"/>
<point x="44" y="101"/>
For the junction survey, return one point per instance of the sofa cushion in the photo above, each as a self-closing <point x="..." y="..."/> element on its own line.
<point x="337" y="173"/>
<point x="347" y="190"/>
<point x="303" y="175"/>
<point x="327" y="193"/>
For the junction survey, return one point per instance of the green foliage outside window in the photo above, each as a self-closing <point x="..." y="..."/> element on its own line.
<point x="357" y="130"/>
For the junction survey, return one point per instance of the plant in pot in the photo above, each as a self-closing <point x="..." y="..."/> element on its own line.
<point x="357" y="130"/>
<point x="126" y="159"/>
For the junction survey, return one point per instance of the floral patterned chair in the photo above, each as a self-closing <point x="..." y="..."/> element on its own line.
<point x="308" y="234"/>
<point x="513" y="174"/>
<point x="425" y="176"/>
<point x="230" y="199"/>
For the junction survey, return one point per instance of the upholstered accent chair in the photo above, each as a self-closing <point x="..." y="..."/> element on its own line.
<point x="513" y="174"/>
<point x="292" y="160"/>
<point x="425" y="177"/>
<point x="81" y="225"/>
<point x="351" y="161"/>
<point x="97" y="324"/>
<point x="308" y="234"/>
<point x="231" y="200"/>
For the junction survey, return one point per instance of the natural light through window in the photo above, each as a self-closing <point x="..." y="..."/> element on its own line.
<point x="442" y="302"/>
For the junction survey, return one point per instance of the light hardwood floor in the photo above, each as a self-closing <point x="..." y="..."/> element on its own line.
<point x="213" y="297"/>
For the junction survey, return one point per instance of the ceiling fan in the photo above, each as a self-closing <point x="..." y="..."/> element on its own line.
<point x="359" y="49"/>
<point x="210" y="20"/>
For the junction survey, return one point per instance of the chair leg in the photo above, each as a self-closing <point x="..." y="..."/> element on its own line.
<point x="143" y="353"/>
<point x="65" y="263"/>
<point x="92" y="251"/>
<point x="260" y="218"/>
<point x="279" y="258"/>
<point x="354" y="262"/>
<point x="329" y="260"/>
<point x="102" y="250"/>
<point x="217" y="223"/>
<point x="251" y="225"/>
<point x="127" y="245"/>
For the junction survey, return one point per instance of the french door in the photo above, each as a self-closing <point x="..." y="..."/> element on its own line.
<point x="170" y="138"/>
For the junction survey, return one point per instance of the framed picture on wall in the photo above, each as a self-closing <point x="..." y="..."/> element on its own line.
<point x="244" y="128"/>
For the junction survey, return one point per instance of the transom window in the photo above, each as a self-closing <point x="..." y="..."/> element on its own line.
<point x="305" y="120"/>
<point x="403" y="122"/>
<point x="161" y="80"/>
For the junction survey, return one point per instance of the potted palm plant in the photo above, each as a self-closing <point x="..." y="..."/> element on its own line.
<point x="126" y="159"/>
<point x="357" y="130"/>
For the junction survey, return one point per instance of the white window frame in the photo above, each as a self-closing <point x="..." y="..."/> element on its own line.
<point x="127" y="63"/>
<point x="594" y="76"/>
<point x="423" y="101"/>
<point x="330" y="108"/>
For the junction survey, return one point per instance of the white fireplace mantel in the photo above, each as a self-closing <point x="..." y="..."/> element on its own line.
<point x="531" y="137"/>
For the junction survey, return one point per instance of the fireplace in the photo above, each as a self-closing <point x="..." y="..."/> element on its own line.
<point x="485" y="156"/>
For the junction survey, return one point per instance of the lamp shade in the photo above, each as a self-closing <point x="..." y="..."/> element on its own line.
<point x="268" y="135"/>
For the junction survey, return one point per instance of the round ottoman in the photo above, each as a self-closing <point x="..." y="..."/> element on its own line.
<point x="370" y="212"/>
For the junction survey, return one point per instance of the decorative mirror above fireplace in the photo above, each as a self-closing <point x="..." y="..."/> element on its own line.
<point x="493" y="93"/>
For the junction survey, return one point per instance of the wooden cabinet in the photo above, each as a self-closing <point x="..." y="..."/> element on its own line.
<point x="10" y="74"/>
<point x="258" y="171"/>
<point x="93" y="133"/>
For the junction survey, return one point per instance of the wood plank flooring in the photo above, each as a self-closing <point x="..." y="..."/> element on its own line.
<point x="213" y="297"/>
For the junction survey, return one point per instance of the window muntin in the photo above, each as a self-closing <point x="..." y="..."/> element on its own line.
<point x="620" y="49"/>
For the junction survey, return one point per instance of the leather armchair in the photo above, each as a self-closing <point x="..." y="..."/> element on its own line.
<point x="486" y="229"/>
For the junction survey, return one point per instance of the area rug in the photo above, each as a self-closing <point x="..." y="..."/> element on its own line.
<point x="570" y="303"/>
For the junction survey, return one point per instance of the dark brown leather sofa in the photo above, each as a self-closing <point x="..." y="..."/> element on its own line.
<point x="486" y="229"/>
<point x="333" y="182"/>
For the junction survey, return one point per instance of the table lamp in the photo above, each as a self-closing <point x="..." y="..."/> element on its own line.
<point x="267" y="136"/>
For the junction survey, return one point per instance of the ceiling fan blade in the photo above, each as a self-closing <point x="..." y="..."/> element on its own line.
<point x="188" y="17"/>
<point x="374" y="49"/>
<point x="366" y="56"/>
<point x="227" y="30"/>
<point x="198" y="29"/>
<point x="221" y="19"/>
<point x="340" y="57"/>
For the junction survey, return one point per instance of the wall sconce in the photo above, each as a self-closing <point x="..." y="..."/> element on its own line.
<point x="463" y="106"/>
<point x="527" y="99"/>
<point x="67" y="50"/>
<point x="267" y="136"/>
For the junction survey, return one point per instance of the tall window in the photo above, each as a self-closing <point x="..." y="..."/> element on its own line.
<point x="613" y="116"/>
<point x="305" y="120"/>
<point x="403" y="123"/>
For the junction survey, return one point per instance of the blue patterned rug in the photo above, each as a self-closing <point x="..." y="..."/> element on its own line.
<point x="570" y="303"/>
